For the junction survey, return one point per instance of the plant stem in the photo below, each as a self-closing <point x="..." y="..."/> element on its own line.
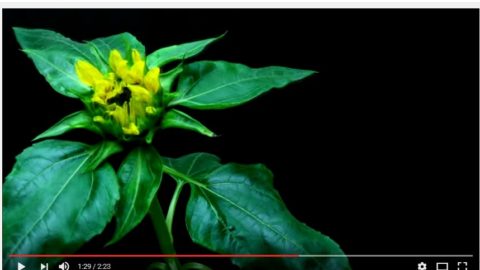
<point x="173" y="206"/>
<point x="163" y="234"/>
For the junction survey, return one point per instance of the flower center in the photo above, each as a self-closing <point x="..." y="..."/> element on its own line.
<point x="121" y="98"/>
<point x="127" y="96"/>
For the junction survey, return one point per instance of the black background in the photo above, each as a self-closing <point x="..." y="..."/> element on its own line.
<point x="379" y="150"/>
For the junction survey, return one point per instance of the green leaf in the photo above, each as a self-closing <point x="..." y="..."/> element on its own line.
<point x="102" y="151"/>
<point x="235" y="209"/>
<point x="177" y="119"/>
<point x="55" y="56"/>
<point x="51" y="205"/>
<point x="140" y="175"/>
<point x="167" y="79"/>
<point x="195" y="266"/>
<point x="123" y="42"/>
<point x="158" y="266"/>
<point x="220" y="85"/>
<point x="169" y="54"/>
<point x="80" y="119"/>
<point x="196" y="165"/>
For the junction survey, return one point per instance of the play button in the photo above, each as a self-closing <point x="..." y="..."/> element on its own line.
<point x="20" y="266"/>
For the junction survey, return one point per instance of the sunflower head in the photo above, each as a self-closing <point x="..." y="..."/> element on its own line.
<point x="125" y="100"/>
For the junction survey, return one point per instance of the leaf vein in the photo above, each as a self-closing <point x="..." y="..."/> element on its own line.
<point x="51" y="203"/>
<point x="188" y="99"/>
<point x="257" y="219"/>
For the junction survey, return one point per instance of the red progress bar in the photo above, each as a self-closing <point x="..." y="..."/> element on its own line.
<point x="154" y="255"/>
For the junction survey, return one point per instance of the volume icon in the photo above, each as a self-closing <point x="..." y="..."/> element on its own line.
<point x="64" y="266"/>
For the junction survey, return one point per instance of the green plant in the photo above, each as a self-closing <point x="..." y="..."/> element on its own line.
<point x="62" y="193"/>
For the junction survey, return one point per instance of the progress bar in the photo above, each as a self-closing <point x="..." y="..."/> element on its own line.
<point x="393" y="255"/>
<point x="240" y="255"/>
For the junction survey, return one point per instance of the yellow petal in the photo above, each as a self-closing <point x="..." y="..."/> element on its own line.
<point x="99" y="100"/>
<point x="87" y="73"/>
<point x="150" y="110"/>
<point x="117" y="90"/>
<point x="98" y="119"/>
<point x="118" y="64"/>
<point x="131" y="129"/>
<point x="120" y="114"/>
<point x="136" y="56"/>
<point x="137" y="109"/>
<point x="140" y="93"/>
<point x="135" y="74"/>
<point x="102" y="87"/>
<point x="151" y="80"/>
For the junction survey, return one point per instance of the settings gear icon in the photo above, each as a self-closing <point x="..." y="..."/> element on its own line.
<point x="422" y="266"/>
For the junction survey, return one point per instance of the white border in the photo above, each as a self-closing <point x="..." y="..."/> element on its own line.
<point x="218" y="4"/>
<point x="238" y="4"/>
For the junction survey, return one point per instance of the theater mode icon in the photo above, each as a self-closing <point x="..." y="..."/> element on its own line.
<point x="442" y="265"/>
